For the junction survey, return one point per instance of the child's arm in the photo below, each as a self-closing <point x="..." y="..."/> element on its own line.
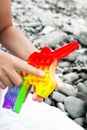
<point x="14" y="40"/>
<point x="11" y="37"/>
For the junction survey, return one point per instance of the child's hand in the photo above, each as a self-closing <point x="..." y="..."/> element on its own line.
<point x="59" y="86"/>
<point x="9" y="68"/>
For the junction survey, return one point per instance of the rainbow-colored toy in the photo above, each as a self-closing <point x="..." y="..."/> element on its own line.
<point x="45" y="60"/>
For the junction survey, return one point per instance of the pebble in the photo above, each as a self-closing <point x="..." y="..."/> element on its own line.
<point x="71" y="77"/>
<point x="47" y="30"/>
<point x="51" y="39"/>
<point x="83" y="38"/>
<point x="59" y="97"/>
<point x="61" y="106"/>
<point x="82" y="87"/>
<point x="74" y="106"/>
<point x="51" y="23"/>
<point x="68" y="90"/>
<point x="80" y="121"/>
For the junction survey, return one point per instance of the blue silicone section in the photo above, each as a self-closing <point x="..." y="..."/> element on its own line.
<point x="11" y="96"/>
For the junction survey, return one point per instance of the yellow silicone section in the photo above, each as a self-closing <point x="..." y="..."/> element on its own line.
<point x="44" y="86"/>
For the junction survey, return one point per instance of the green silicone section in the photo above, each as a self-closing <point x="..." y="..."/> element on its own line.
<point x="21" y="96"/>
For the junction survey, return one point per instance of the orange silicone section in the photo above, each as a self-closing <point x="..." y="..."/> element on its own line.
<point x="44" y="86"/>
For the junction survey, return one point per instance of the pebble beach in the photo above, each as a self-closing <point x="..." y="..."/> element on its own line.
<point x="55" y="23"/>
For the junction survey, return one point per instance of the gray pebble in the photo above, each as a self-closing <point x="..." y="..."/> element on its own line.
<point x="74" y="106"/>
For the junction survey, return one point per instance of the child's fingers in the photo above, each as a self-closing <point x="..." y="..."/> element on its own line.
<point x="37" y="98"/>
<point x="25" y="67"/>
<point x="14" y="77"/>
<point x="58" y="82"/>
<point x="5" y="79"/>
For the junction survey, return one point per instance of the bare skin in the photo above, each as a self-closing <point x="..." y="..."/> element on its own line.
<point x="20" y="48"/>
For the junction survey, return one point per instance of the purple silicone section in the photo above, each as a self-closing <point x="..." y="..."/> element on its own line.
<point x="8" y="104"/>
<point x="10" y="97"/>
